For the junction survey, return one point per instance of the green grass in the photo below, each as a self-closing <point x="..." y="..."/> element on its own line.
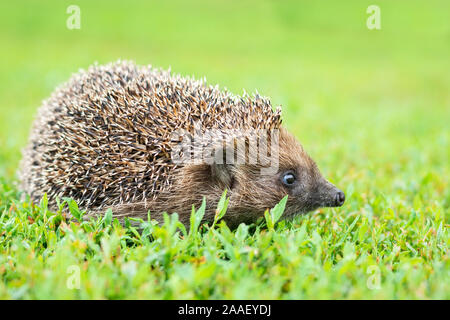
<point x="371" y="107"/>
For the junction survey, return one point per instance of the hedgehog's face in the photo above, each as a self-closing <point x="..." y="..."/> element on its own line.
<point x="307" y="190"/>
<point x="296" y="175"/>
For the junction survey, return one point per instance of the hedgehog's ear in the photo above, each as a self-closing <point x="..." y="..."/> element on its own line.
<point x="225" y="153"/>
<point x="223" y="175"/>
<point x="222" y="164"/>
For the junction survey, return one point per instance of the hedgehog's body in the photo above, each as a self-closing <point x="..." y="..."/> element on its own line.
<point x="106" y="139"/>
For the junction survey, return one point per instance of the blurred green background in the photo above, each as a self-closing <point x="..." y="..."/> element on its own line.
<point x="361" y="101"/>
<point x="372" y="107"/>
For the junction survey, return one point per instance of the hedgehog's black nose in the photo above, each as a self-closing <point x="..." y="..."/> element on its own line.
<point x="339" y="199"/>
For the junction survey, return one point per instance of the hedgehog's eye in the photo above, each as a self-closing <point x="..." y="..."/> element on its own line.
<point x="288" y="178"/>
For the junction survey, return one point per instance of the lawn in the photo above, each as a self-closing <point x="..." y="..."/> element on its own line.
<point x="372" y="107"/>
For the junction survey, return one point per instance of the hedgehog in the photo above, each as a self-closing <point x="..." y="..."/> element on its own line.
<point x="137" y="139"/>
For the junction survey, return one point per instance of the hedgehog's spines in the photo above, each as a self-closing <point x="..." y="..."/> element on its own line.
<point x="105" y="136"/>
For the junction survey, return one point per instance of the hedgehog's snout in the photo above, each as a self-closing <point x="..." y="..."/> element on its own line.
<point x="334" y="198"/>
<point x="339" y="198"/>
<point x="330" y="195"/>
